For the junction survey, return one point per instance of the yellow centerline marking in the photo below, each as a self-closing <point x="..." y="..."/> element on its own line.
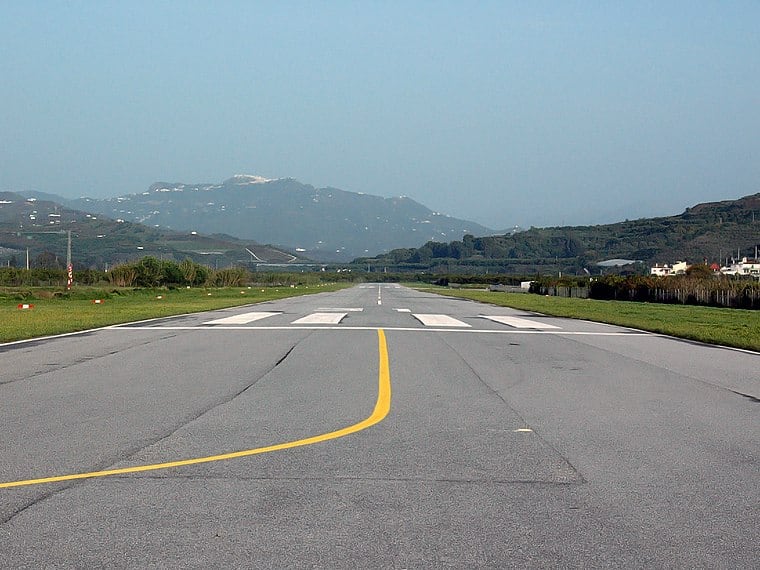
<point x="382" y="407"/>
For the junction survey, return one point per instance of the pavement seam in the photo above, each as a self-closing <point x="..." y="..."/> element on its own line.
<point x="675" y="373"/>
<point x="513" y="410"/>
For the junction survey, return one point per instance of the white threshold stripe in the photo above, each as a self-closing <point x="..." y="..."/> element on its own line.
<point x="320" y="319"/>
<point x="126" y="327"/>
<point x="518" y="323"/>
<point x="343" y="309"/>
<point x="439" y="320"/>
<point x="242" y="319"/>
<point x="404" y="310"/>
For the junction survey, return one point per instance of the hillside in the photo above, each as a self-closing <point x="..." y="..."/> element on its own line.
<point x="709" y="231"/>
<point x="98" y="242"/>
<point x="321" y="223"/>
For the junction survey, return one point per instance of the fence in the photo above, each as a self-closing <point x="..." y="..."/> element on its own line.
<point x="730" y="298"/>
<point x="562" y="291"/>
<point x="735" y="295"/>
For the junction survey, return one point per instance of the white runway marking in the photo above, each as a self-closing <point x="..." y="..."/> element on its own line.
<point x="439" y="320"/>
<point x="241" y="319"/>
<point x="518" y="323"/>
<point x="347" y="310"/>
<point x="154" y="328"/>
<point x="320" y="319"/>
<point x="404" y="310"/>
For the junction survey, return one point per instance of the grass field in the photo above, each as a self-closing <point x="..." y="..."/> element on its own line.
<point x="727" y="327"/>
<point x="59" y="312"/>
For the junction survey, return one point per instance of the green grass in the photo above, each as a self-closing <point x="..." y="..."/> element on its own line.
<point x="60" y="312"/>
<point x="727" y="327"/>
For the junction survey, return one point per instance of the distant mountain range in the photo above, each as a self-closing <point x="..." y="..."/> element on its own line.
<point x="326" y="224"/>
<point x="319" y="223"/>
<point x="712" y="231"/>
<point x="40" y="223"/>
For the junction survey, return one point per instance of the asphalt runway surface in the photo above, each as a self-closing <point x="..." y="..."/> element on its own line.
<point x="377" y="427"/>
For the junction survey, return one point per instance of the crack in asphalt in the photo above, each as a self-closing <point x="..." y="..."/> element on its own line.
<point x="56" y="366"/>
<point x="284" y="357"/>
<point x="36" y="501"/>
<point x="125" y="479"/>
<point x="748" y="396"/>
<point x="130" y="452"/>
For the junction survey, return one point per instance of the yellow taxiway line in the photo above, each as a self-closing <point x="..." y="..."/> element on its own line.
<point x="382" y="407"/>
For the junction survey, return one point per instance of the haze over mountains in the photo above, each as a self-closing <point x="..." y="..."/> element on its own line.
<point x="319" y="223"/>
<point x="328" y="224"/>
<point x="38" y="225"/>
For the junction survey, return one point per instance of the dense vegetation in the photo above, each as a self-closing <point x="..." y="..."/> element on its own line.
<point x="694" y="288"/>
<point x="705" y="232"/>
<point x="150" y="272"/>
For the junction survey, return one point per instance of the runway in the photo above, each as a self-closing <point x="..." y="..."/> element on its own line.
<point x="377" y="427"/>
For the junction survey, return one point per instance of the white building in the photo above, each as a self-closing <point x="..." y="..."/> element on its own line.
<point x="678" y="268"/>
<point x="744" y="267"/>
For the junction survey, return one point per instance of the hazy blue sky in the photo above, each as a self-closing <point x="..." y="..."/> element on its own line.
<point x="529" y="113"/>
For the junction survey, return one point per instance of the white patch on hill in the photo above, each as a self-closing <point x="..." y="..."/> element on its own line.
<point x="249" y="179"/>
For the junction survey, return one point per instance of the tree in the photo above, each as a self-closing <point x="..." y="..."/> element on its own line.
<point x="202" y="275"/>
<point x="422" y="255"/>
<point x="699" y="271"/>
<point x="171" y="273"/>
<point x="189" y="271"/>
<point x="230" y="277"/>
<point x="468" y="245"/>
<point x="148" y="272"/>
<point x="122" y="275"/>
<point x="47" y="260"/>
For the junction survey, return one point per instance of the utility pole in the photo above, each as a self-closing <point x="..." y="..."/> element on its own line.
<point x="69" y="267"/>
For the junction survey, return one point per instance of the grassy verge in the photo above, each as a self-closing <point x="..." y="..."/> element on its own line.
<point x="727" y="327"/>
<point x="60" y="312"/>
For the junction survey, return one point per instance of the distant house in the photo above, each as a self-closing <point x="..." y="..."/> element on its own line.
<point x="744" y="267"/>
<point x="661" y="270"/>
<point x="678" y="268"/>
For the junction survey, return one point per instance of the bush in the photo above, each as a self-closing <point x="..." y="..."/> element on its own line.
<point x="232" y="277"/>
